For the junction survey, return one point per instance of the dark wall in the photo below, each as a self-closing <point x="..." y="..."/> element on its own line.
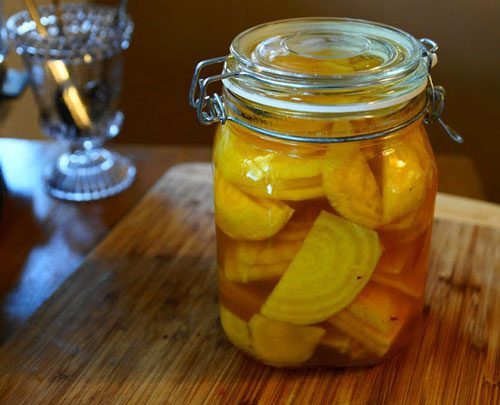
<point x="171" y="36"/>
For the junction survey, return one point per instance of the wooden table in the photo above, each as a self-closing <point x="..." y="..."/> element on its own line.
<point x="138" y="321"/>
<point x="43" y="240"/>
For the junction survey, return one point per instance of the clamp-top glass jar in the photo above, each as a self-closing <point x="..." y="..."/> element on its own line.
<point x="325" y="185"/>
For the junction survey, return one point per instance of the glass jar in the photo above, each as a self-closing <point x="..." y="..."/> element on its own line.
<point x="324" y="188"/>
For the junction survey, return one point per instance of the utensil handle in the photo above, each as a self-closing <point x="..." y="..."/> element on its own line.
<point x="57" y="5"/>
<point x="35" y="16"/>
<point x="71" y="96"/>
<point x="121" y="14"/>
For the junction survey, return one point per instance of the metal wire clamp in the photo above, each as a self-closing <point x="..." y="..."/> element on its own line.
<point x="209" y="108"/>
<point x="436" y="94"/>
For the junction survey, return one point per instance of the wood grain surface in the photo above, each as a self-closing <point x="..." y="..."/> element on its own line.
<point x="44" y="240"/>
<point x="138" y="322"/>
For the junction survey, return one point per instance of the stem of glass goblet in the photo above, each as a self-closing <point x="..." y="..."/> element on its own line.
<point x="85" y="158"/>
<point x="85" y="173"/>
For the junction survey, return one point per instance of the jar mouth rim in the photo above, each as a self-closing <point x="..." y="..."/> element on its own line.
<point x="91" y="33"/>
<point x="418" y="115"/>
<point x="324" y="108"/>
<point x="400" y="53"/>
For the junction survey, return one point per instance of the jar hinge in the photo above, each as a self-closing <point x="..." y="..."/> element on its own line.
<point x="435" y="94"/>
<point x="209" y="108"/>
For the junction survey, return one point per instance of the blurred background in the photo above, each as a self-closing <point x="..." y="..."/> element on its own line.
<point x="172" y="36"/>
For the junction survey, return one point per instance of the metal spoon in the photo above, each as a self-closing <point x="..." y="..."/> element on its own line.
<point x="70" y="94"/>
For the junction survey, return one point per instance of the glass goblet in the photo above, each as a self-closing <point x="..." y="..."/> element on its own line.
<point x="85" y="46"/>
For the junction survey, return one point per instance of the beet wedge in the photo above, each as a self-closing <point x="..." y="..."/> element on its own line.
<point x="333" y="265"/>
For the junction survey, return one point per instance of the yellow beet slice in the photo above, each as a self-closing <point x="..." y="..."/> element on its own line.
<point x="411" y="280"/>
<point x="241" y="216"/>
<point x="405" y="181"/>
<point x="266" y="252"/>
<point x="394" y="260"/>
<point x="287" y="124"/>
<point x="421" y="144"/>
<point x="417" y="218"/>
<point x="294" y="231"/>
<point x="350" y="185"/>
<point x="243" y="273"/>
<point x="409" y="228"/>
<point x="282" y="343"/>
<point x="375" y="318"/>
<point x="382" y="191"/>
<point x="412" y="284"/>
<point x="344" y="344"/>
<point x="408" y="172"/>
<point x="334" y="263"/>
<point x="381" y="308"/>
<point x="295" y="126"/>
<point x="402" y="233"/>
<point x="302" y="220"/>
<point x="236" y="329"/>
<point x="266" y="173"/>
<point x="243" y="300"/>
<point x="337" y="340"/>
<point x="249" y="261"/>
<point x="293" y="194"/>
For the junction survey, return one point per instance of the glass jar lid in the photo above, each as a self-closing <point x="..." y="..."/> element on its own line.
<point x="326" y="65"/>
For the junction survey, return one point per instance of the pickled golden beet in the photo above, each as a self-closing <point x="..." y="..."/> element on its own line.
<point x="374" y="318"/>
<point x="337" y="340"/>
<point x="243" y="300"/>
<point x="266" y="252"/>
<point x="236" y="330"/>
<point x="247" y="261"/>
<point x="243" y="273"/>
<point x="404" y="181"/>
<point x="351" y="187"/>
<point x="334" y="263"/>
<point x="394" y="260"/>
<point x="241" y="216"/>
<point x="343" y="343"/>
<point x="266" y="173"/>
<point x="273" y="342"/>
<point x="281" y="343"/>
<point x="411" y="278"/>
<point x="376" y="190"/>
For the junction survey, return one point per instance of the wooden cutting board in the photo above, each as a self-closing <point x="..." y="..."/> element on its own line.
<point x="138" y="321"/>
